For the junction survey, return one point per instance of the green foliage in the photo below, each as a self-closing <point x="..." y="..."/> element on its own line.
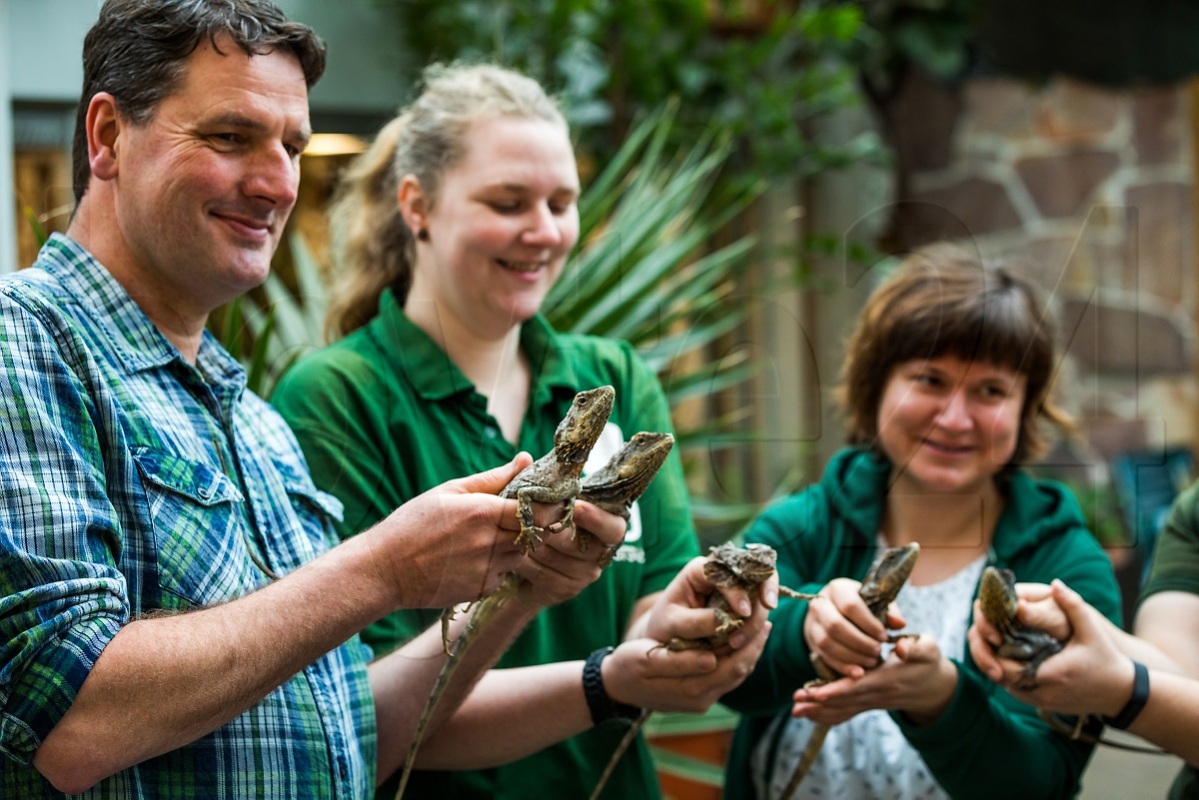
<point x="646" y="273"/>
<point x="35" y="223"/>
<point x="269" y="337"/>
<point x="761" y="79"/>
<point x="936" y="35"/>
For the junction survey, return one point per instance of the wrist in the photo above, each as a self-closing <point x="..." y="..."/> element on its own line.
<point x="1136" y="700"/>
<point x="602" y="706"/>
<point x="937" y="699"/>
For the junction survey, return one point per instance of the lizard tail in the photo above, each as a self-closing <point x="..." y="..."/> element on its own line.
<point x="806" y="761"/>
<point x="484" y="611"/>
<point x="629" y="737"/>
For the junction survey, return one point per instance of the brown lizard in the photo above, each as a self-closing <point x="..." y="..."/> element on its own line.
<point x="727" y="566"/>
<point x="879" y="589"/>
<point x="619" y="483"/>
<point x="553" y="478"/>
<point x="997" y="600"/>
<point x="1029" y="646"/>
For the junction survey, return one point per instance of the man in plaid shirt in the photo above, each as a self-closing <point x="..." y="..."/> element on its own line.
<point x="175" y="619"/>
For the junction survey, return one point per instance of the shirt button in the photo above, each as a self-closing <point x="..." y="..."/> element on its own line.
<point x="491" y="431"/>
<point x="204" y="492"/>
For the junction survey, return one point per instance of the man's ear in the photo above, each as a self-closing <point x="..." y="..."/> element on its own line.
<point x="103" y="125"/>
<point x="414" y="204"/>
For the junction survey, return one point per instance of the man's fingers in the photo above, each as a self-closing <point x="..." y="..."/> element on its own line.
<point x="494" y="480"/>
<point x="610" y="529"/>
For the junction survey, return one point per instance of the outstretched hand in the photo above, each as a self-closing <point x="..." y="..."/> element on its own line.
<point x="451" y="544"/>
<point x="643" y="673"/>
<point x="1036" y="608"/>
<point x="681" y="610"/>
<point x="916" y="679"/>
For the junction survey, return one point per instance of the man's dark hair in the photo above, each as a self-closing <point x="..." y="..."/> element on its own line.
<point x="138" y="50"/>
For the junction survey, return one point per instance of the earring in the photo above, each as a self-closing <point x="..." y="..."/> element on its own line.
<point x="423" y="235"/>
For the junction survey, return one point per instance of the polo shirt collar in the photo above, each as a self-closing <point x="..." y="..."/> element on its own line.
<point x="434" y="376"/>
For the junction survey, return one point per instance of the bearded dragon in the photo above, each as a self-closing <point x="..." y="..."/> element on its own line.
<point x="997" y="600"/>
<point x="553" y="478"/>
<point x="619" y="483"/>
<point x="879" y="589"/>
<point x="727" y="566"/>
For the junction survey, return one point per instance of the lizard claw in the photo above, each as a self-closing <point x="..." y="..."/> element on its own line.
<point x="527" y="541"/>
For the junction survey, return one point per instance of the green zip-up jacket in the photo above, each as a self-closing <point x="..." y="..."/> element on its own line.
<point x="986" y="744"/>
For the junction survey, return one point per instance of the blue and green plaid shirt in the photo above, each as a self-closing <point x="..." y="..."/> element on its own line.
<point x="132" y="481"/>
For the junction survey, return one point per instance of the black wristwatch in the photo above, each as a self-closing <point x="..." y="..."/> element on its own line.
<point x="1140" y="696"/>
<point x="604" y="708"/>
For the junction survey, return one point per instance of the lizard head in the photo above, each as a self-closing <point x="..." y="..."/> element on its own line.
<point x="641" y="457"/>
<point x="578" y="430"/>
<point x="729" y="565"/>
<point x="997" y="597"/>
<point x="895" y="565"/>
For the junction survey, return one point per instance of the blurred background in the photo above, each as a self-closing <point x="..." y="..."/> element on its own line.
<point x="750" y="167"/>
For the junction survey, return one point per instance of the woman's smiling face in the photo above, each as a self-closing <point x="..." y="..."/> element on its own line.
<point x="949" y="425"/>
<point x="502" y="222"/>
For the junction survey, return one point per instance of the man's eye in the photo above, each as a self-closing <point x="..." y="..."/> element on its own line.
<point x="227" y="138"/>
<point x="506" y="207"/>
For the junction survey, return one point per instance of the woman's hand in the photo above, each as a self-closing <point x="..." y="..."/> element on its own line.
<point x="918" y="680"/>
<point x="840" y="628"/>
<point x="1090" y="676"/>
<point x="681" y="609"/>
<point x="1037" y="608"/>
<point x="643" y="673"/>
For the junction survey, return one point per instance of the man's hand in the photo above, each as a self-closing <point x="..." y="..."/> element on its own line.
<point x="841" y="629"/>
<point x="451" y="544"/>
<point x="557" y="571"/>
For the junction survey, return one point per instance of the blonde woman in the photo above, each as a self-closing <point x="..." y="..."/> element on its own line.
<point x="450" y="231"/>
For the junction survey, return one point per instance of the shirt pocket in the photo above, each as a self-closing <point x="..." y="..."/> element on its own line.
<point x="196" y="515"/>
<point x="316" y="512"/>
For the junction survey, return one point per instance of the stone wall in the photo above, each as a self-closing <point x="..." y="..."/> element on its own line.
<point x="1088" y="191"/>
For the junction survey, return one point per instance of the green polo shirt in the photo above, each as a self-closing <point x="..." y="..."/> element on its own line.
<point x="384" y="415"/>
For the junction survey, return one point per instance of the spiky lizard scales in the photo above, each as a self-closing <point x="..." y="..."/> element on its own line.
<point x="618" y="484"/>
<point x="554" y="478"/>
<point x="727" y="566"/>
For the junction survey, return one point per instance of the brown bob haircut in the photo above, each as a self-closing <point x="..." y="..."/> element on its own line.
<point x="942" y="301"/>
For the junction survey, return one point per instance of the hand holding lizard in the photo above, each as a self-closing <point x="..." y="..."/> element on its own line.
<point x="917" y="680"/>
<point x="559" y="570"/>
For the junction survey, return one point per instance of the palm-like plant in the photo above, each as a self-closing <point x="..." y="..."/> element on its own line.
<point x="644" y="273"/>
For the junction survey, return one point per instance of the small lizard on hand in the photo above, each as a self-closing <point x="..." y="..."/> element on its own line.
<point x="879" y="590"/>
<point x="727" y="566"/>
<point x="553" y="478"/>
<point x="1029" y="646"/>
<point x="619" y="483"/>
